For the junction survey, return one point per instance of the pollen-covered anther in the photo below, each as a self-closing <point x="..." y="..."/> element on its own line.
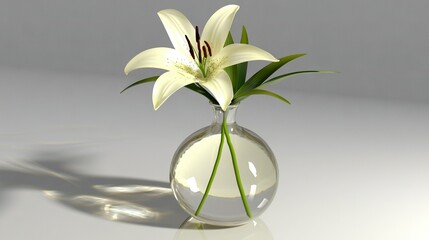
<point x="197" y="38"/>
<point x="205" y="51"/>
<point x="191" y="49"/>
<point x="197" y="34"/>
<point x="208" y="48"/>
<point x="199" y="54"/>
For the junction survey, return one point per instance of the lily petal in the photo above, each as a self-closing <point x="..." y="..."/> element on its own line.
<point x="217" y="27"/>
<point x="220" y="88"/>
<point x="161" y="58"/>
<point x="167" y="84"/>
<point x="238" y="53"/>
<point x="177" y="26"/>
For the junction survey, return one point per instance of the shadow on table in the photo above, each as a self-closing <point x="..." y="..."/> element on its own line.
<point x="137" y="201"/>
<point x="254" y="230"/>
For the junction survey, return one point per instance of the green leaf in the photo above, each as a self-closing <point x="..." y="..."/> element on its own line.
<point x="232" y="70"/>
<point x="146" y="80"/>
<point x="229" y="40"/>
<point x="282" y="77"/>
<point x="258" y="78"/>
<point x="242" y="67"/>
<point x="260" y="92"/>
<point x="244" y="36"/>
<point x="196" y="88"/>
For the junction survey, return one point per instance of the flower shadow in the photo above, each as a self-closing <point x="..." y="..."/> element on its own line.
<point x="136" y="201"/>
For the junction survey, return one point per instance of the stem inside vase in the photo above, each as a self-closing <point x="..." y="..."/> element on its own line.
<point x="225" y="134"/>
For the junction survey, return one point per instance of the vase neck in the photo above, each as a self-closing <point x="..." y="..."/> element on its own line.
<point x="228" y="114"/>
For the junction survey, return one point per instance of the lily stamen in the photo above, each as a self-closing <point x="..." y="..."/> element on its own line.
<point x="191" y="49"/>
<point x="200" y="54"/>
<point x="208" y="48"/>
<point x="205" y="51"/>
<point x="197" y="38"/>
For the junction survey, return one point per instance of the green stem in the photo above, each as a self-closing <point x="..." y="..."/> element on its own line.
<point x="209" y="185"/>
<point x="236" y="171"/>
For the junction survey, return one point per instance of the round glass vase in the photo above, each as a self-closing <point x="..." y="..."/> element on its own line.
<point x="224" y="174"/>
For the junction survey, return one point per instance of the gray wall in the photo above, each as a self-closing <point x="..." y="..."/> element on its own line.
<point x="381" y="47"/>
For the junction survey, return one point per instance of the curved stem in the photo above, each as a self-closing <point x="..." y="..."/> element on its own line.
<point x="236" y="170"/>
<point x="209" y="185"/>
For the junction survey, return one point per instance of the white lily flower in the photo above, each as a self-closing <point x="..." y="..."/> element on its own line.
<point x="196" y="59"/>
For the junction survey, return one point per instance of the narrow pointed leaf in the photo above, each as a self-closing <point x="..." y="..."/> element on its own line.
<point x="244" y="36"/>
<point x="229" y="40"/>
<point x="260" y="92"/>
<point x="282" y="77"/>
<point x="258" y="78"/>
<point x="231" y="70"/>
<point x="146" y="80"/>
<point x="194" y="87"/>
<point x="242" y="67"/>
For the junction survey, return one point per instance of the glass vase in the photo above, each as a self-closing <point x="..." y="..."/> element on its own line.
<point x="224" y="174"/>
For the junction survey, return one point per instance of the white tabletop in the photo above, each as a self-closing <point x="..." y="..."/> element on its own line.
<point x="78" y="160"/>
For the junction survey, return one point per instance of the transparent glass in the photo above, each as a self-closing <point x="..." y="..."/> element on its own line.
<point x="224" y="186"/>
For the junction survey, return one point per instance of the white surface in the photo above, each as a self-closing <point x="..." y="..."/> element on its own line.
<point x="349" y="168"/>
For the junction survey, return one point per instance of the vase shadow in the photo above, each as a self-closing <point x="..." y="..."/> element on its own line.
<point x="136" y="201"/>
<point x="193" y="229"/>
